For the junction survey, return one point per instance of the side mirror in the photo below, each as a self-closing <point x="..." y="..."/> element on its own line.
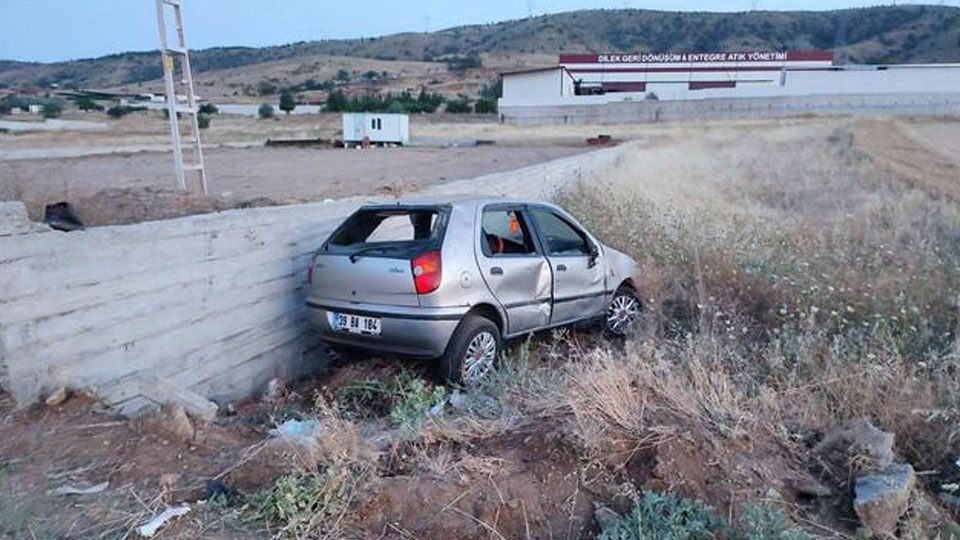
<point x="594" y="253"/>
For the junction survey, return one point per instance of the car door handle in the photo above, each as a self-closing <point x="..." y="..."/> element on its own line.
<point x="496" y="271"/>
<point x="561" y="268"/>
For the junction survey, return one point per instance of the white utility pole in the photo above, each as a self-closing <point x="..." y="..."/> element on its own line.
<point x="191" y="110"/>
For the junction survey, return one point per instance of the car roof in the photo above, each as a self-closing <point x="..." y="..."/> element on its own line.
<point x="466" y="201"/>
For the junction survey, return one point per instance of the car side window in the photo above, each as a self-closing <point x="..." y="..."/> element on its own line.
<point x="561" y="237"/>
<point x="504" y="232"/>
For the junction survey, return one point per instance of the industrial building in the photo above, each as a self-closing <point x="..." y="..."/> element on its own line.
<point x="601" y="79"/>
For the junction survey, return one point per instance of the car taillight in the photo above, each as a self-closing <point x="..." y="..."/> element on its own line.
<point x="426" y="272"/>
<point x="310" y="270"/>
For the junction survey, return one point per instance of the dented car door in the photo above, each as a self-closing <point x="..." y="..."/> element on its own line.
<point x="514" y="267"/>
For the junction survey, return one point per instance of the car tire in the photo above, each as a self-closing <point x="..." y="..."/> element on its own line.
<point x="622" y="313"/>
<point x="472" y="353"/>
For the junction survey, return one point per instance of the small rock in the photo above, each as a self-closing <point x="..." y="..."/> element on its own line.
<point x="169" y="480"/>
<point x="809" y="487"/>
<point x="459" y="400"/>
<point x="174" y="421"/>
<point x="604" y="515"/>
<point x="57" y="397"/>
<point x="859" y="442"/>
<point x="275" y="390"/>
<point x="883" y="496"/>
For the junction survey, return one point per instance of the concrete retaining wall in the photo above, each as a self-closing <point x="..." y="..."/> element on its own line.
<point x="758" y="107"/>
<point x="211" y="303"/>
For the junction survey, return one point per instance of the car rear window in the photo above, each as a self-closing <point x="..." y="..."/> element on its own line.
<point x="401" y="226"/>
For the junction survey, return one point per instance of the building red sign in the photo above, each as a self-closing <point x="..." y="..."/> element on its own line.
<point x="698" y="57"/>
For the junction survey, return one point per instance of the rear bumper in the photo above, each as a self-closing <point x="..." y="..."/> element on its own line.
<point x="408" y="331"/>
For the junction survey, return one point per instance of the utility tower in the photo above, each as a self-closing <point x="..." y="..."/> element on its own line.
<point x="171" y="53"/>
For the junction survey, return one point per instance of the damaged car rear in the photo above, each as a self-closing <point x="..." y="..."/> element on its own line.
<point x="452" y="280"/>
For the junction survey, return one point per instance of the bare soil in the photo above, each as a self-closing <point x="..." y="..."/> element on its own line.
<point x="125" y="188"/>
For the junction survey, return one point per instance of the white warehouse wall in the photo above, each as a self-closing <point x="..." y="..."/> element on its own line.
<point x="895" y="80"/>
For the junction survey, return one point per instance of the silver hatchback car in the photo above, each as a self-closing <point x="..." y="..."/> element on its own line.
<point x="453" y="279"/>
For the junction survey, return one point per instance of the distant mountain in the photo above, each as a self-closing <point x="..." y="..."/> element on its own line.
<point x="888" y="34"/>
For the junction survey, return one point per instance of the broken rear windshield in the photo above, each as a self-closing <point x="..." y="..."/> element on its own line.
<point x="401" y="226"/>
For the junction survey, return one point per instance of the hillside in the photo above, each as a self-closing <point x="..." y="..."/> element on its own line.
<point x="890" y="34"/>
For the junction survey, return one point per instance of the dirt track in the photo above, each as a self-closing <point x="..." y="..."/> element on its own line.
<point x="930" y="165"/>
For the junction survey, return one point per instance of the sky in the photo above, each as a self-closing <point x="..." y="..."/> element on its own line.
<point x="52" y="30"/>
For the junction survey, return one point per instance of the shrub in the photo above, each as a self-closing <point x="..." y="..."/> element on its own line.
<point x="485" y="106"/>
<point x="287" y="102"/>
<point x="651" y="96"/>
<point x="370" y="75"/>
<point x="459" y="106"/>
<point x="5" y="108"/>
<point x="343" y="75"/>
<point x="203" y="121"/>
<point x="119" y="111"/>
<point x="266" y="88"/>
<point x="303" y="505"/>
<point x="766" y="522"/>
<point x="265" y="110"/>
<point x="208" y="109"/>
<point x="414" y="399"/>
<point x="88" y="104"/>
<point x="461" y="63"/>
<point x="51" y="109"/>
<point x="658" y="516"/>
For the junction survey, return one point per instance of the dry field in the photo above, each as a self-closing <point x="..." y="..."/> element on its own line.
<point x="122" y="175"/>
<point x="798" y="274"/>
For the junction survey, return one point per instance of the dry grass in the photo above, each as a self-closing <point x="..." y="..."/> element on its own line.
<point x="806" y="282"/>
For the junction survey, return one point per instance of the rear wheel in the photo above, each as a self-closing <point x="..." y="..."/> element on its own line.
<point x="472" y="353"/>
<point x="622" y="312"/>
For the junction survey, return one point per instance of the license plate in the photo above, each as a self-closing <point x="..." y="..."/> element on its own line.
<point x="356" y="324"/>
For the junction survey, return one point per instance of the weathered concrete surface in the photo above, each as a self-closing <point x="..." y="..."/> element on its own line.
<point x="212" y="303"/>
<point x="753" y="107"/>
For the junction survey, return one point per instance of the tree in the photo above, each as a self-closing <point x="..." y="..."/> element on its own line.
<point x="265" y="111"/>
<point x="287" y="102"/>
<point x="343" y="75"/>
<point x="370" y="75"/>
<point x="88" y="104"/>
<point x="336" y="101"/>
<point x="485" y="106"/>
<point x="203" y="121"/>
<point x="51" y="109"/>
<point x="208" y="109"/>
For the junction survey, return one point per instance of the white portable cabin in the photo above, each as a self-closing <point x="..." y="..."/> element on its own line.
<point x="378" y="127"/>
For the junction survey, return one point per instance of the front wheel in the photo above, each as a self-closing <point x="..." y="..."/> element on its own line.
<point x="622" y="312"/>
<point x="472" y="353"/>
